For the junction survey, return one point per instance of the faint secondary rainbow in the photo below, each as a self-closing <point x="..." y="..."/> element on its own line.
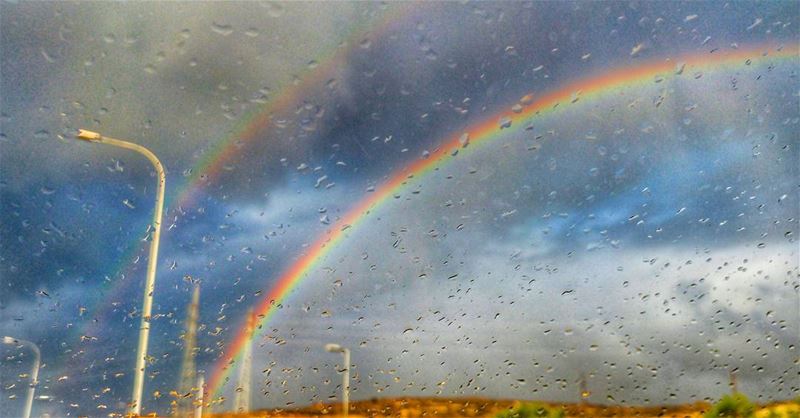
<point x="481" y="132"/>
<point x="256" y="122"/>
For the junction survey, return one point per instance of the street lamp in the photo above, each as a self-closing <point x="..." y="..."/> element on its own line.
<point x="37" y="357"/>
<point x="150" y="282"/>
<point x="336" y="348"/>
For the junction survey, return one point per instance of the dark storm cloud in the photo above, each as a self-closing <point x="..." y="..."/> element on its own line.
<point x="442" y="77"/>
<point x="178" y="77"/>
<point x="619" y="194"/>
<point x="707" y="177"/>
<point x="157" y="74"/>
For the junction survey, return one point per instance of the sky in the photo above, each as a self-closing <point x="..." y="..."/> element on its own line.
<point x="642" y="240"/>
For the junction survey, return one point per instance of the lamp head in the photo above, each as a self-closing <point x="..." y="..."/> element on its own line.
<point x="88" y="135"/>
<point x="333" y="348"/>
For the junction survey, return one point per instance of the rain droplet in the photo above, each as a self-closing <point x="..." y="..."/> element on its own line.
<point x="637" y="49"/>
<point x="464" y="140"/>
<point x="526" y="99"/>
<point x="47" y="57"/>
<point x="221" y="28"/>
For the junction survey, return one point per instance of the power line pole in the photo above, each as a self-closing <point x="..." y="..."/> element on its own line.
<point x="201" y="396"/>
<point x="242" y="400"/>
<point x="584" y="389"/>
<point x="185" y="405"/>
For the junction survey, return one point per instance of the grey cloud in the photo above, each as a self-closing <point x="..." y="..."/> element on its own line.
<point x="520" y="259"/>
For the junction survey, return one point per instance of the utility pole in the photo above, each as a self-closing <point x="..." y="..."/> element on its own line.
<point x="336" y="348"/>
<point x="201" y="396"/>
<point x="242" y="400"/>
<point x="584" y="389"/>
<point x="185" y="406"/>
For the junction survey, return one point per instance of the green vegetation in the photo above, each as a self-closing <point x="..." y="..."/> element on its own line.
<point x="733" y="406"/>
<point x="532" y="410"/>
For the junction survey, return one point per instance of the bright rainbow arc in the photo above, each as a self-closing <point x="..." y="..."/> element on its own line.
<point x="481" y="132"/>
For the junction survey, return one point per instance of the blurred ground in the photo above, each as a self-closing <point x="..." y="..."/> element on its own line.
<point x="476" y="407"/>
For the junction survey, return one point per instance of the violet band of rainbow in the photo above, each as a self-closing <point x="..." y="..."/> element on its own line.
<point x="482" y="132"/>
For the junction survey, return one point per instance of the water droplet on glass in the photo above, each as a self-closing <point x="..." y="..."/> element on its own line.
<point x="221" y="28"/>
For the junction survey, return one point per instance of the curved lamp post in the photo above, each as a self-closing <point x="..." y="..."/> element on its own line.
<point x="336" y="348"/>
<point x="37" y="358"/>
<point x="149" y="287"/>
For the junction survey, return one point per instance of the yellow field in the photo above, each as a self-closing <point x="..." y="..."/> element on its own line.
<point x="783" y="409"/>
<point x="487" y="408"/>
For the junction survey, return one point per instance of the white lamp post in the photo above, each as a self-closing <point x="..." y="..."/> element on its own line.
<point x="37" y="358"/>
<point x="336" y="348"/>
<point x="150" y="282"/>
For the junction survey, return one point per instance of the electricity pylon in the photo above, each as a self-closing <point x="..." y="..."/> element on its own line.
<point x="185" y="405"/>
<point x="584" y="389"/>
<point x="732" y="384"/>
<point x="242" y="400"/>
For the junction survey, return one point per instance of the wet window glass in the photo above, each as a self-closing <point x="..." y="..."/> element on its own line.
<point x="495" y="209"/>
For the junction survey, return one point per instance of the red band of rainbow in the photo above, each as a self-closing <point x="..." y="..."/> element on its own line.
<point x="482" y="132"/>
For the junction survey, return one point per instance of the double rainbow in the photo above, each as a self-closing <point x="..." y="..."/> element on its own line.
<point x="483" y="132"/>
<point x="249" y="128"/>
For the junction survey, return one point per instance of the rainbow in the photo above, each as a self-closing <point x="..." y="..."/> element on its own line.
<point x="260" y="119"/>
<point x="250" y="127"/>
<point x="481" y="132"/>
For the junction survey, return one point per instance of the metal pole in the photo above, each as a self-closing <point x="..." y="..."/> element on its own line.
<point x="336" y="348"/>
<point x="201" y="395"/>
<point x="346" y="383"/>
<point x="152" y="260"/>
<point x="37" y="359"/>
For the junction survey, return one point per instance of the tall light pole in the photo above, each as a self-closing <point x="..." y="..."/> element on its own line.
<point x="150" y="282"/>
<point x="37" y="358"/>
<point x="336" y="348"/>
